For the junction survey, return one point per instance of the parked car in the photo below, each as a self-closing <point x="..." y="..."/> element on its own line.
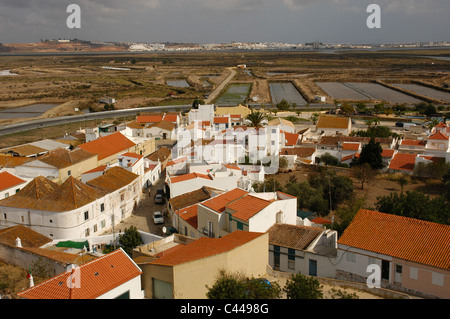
<point x="158" y="218"/>
<point x="160" y="191"/>
<point x="159" y="199"/>
<point x="399" y="124"/>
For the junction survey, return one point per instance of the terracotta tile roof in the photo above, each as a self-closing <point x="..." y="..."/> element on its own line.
<point x="438" y="136"/>
<point x="28" y="237"/>
<point x="232" y="166"/>
<point x="218" y="203"/>
<point x="290" y="138"/>
<point x="206" y="247"/>
<point x="8" y="180"/>
<point x="400" y="237"/>
<point x="173" y="118"/>
<point x="441" y="124"/>
<point x="189" y="214"/>
<point x="188" y="199"/>
<point x="387" y="152"/>
<point x="100" y="168"/>
<point x="13" y="161"/>
<point x="61" y="158"/>
<point x="133" y="155"/>
<point x="293" y="236"/>
<point x="37" y="189"/>
<point x="177" y="161"/>
<point x="247" y="207"/>
<point x="320" y="220"/>
<point x="280" y="121"/>
<point x="114" y="178"/>
<point x="350" y="146"/>
<point x="220" y="119"/>
<point x="299" y="151"/>
<point x="333" y="122"/>
<point x="149" y="118"/>
<point x="72" y="194"/>
<point x="189" y="176"/>
<point x="24" y="150"/>
<point x="161" y="154"/>
<point x="348" y="157"/>
<point x="409" y="142"/>
<point x="136" y="125"/>
<point x="329" y="140"/>
<point x="168" y="126"/>
<point x="96" y="277"/>
<point x="108" y="145"/>
<point x="60" y="256"/>
<point x="403" y="162"/>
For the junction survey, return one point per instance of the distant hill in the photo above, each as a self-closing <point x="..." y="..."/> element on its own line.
<point x="49" y="46"/>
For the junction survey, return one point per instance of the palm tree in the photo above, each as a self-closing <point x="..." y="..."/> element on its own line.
<point x="256" y="118"/>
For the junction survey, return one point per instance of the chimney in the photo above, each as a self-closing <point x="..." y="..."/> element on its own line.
<point x="18" y="242"/>
<point x="31" y="281"/>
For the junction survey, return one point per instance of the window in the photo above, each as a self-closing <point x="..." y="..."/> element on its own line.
<point x="437" y="279"/>
<point x="86" y="215"/>
<point x="102" y="207"/>
<point x="95" y="228"/>
<point x="413" y="273"/>
<point x="17" y="190"/>
<point x="23" y="219"/>
<point x="291" y="258"/>
<point x="69" y="173"/>
<point x="398" y="269"/>
<point x="51" y="221"/>
<point x="86" y="232"/>
<point x="122" y="197"/>
<point x="351" y="257"/>
<point x="103" y="223"/>
<point x="6" y="195"/>
<point x="240" y="226"/>
<point x="4" y="217"/>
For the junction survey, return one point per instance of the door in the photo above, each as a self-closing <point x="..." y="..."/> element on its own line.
<point x="312" y="267"/>
<point x="385" y="269"/>
<point x="162" y="289"/>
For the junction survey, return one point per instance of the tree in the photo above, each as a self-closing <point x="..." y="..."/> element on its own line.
<point x="371" y="154"/>
<point x="130" y="239"/>
<point x="329" y="159"/>
<point x="238" y="286"/>
<point x="314" y="117"/>
<point x="346" y="108"/>
<point x="283" y="105"/>
<point x="346" y="213"/>
<point x="197" y="102"/>
<point x="255" y="118"/>
<point x="363" y="173"/>
<point x="402" y="181"/>
<point x="414" y="204"/>
<point x="303" y="287"/>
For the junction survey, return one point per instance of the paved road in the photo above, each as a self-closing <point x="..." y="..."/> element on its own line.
<point x="36" y="124"/>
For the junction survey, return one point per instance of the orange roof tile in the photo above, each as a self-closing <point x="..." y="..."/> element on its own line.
<point x="219" y="202"/>
<point x="100" y="168"/>
<point x="400" y="237"/>
<point x="206" y="247"/>
<point x="108" y="145"/>
<point x="149" y="118"/>
<point x="438" y="136"/>
<point x="28" y="237"/>
<point x="8" y="180"/>
<point x="441" y="124"/>
<point x="177" y="161"/>
<point x="333" y="122"/>
<point x="189" y="214"/>
<point x="232" y="166"/>
<point x="350" y="146"/>
<point x="114" y="178"/>
<point x="348" y="157"/>
<point x="387" y="152"/>
<point x="96" y="277"/>
<point x="171" y="118"/>
<point x="403" y="162"/>
<point x="320" y="220"/>
<point x="247" y="206"/>
<point x="186" y="177"/>
<point x="133" y="155"/>
<point x="290" y="138"/>
<point x="13" y="161"/>
<point x="409" y="142"/>
<point x="220" y="120"/>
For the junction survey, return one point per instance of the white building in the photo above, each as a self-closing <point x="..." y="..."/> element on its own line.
<point x="10" y="184"/>
<point x="308" y="250"/>
<point x="73" y="209"/>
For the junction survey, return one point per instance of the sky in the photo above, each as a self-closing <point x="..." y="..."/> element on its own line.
<point x="224" y="21"/>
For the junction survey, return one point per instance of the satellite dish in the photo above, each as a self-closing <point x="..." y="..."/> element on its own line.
<point x="164" y="229"/>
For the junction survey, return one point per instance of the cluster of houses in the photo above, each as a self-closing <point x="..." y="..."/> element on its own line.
<point x="59" y="200"/>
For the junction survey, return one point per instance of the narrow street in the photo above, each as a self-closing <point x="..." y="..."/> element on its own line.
<point x="142" y="216"/>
